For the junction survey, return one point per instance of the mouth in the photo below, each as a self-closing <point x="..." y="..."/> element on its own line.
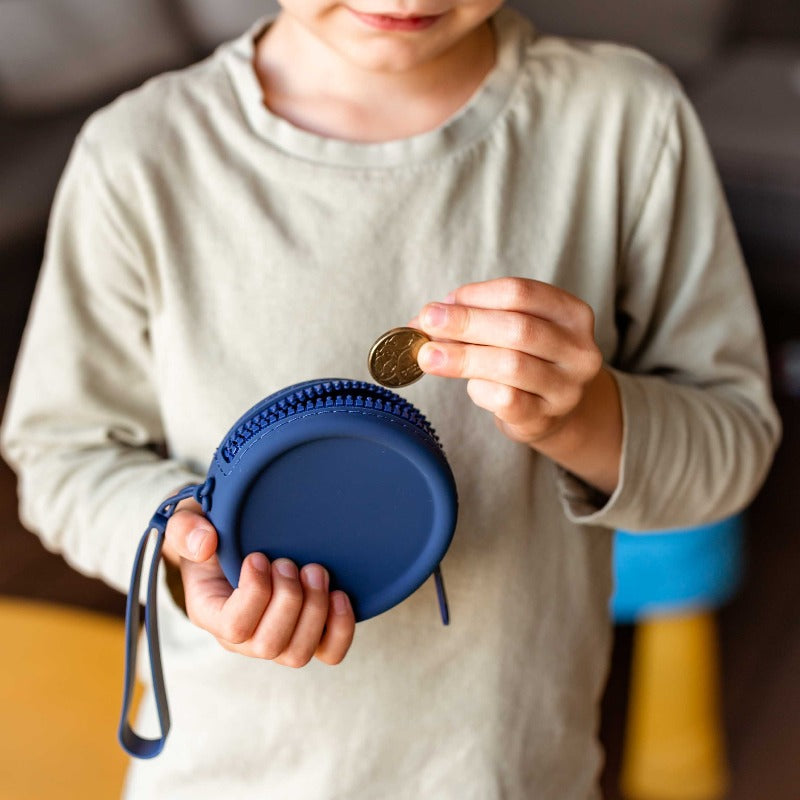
<point x="396" y="22"/>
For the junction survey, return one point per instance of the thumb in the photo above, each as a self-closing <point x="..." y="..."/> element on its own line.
<point x="189" y="535"/>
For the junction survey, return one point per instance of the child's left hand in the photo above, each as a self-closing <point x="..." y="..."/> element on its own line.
<point x="528" y="352"/>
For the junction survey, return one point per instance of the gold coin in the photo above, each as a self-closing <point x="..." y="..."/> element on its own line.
<point x="392" y="359"/>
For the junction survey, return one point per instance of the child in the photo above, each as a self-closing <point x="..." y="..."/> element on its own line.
<point x="257" y="220"/>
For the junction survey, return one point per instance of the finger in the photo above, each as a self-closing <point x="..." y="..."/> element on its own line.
<point x="509" y="367"/>
<point x="416" y="323"/>
<point x="277" y="625"/>
<point x="511" y="406"/>
<point x="509" y="329"/>
<point x="529" y="296"/>
<point x="340" y="628"/>
<point x="243" y="610"/>
<point x="311" y="622"/>
<point x="231" y="615"/>
<point x="190" y="535"/>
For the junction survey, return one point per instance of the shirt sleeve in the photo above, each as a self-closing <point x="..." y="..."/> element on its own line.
<point x="82" y="427"/>
<point x="700" y="427"/>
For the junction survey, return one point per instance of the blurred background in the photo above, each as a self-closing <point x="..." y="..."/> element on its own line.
<point x="740" y="63"/>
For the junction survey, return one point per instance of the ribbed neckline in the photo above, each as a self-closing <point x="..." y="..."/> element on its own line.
<point x="463" y="127"/>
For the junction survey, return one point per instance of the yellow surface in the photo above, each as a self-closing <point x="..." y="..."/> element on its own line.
<point x="674" y="746"/>
<point x="60" y="692"/>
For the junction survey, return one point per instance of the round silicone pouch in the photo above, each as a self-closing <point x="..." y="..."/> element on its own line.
<point x="338" y="472"/>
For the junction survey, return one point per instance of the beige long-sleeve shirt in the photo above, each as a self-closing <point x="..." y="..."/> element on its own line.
<point x="204" y="253"/>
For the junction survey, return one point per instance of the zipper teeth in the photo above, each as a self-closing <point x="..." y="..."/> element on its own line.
<point x="327" y="394"/>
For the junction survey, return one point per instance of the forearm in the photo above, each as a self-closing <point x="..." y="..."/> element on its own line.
<point x="89" y="503"/>
<point x="589" y="443"/>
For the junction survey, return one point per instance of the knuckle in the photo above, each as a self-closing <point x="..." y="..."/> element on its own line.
<point x="288" y="597"/>
<point x="590" y="360"/>
<point x="540" y="429"/>
<point x="266" y="650"/>
<point x="586" y="315"/>
<point x="521" y="333"/>
<point x="507" y="398"/>
<point x="475" y="390"/>
<point x="235" y="631"/>
<point x="317" y="602"/>
<point x="574" y="395"/>
<point x="296" y="658"/>
<point x="459" y="359"/>
<point x="515" y="291"/>
<point x="513" y="364"/>
<point x="460" y="318"/>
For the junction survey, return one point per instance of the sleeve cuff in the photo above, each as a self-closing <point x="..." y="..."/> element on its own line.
<point x="586" y="505"/>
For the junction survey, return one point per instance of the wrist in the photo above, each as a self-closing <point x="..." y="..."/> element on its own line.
<point x="589" y="442"/>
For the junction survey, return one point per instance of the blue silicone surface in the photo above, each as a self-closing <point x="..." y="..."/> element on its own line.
<point x="352" y="477"/>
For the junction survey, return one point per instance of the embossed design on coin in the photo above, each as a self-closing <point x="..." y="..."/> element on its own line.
<point x="393" y="358"/>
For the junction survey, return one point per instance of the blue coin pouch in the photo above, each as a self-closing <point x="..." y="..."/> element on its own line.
<point x="338" y="472"/>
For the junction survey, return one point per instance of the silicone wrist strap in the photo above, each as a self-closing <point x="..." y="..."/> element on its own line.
<point x="131" y="742"/>
<point x="441" y="595"/>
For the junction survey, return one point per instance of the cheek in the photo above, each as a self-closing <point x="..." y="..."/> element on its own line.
<point x="319" y="18"/>
<point x="305" y="9"/>
<point x="479" y="10"/>
<point x="468" y="16"/>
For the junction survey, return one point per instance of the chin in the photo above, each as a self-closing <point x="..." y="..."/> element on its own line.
<point x="391" y="56"/>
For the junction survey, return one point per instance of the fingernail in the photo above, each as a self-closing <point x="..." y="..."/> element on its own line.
<point x="450" y="299"/>
<point x="340" y="603"/>
<point x="194" y="541"/>
<point x="316" y="577"/>
<point x="431" y="357"/>
<point x="260" y="563"/>
<point x="286" y="568"/>
<point x="435" y="315"/>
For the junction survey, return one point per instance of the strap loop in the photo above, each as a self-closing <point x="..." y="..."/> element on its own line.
<point x="203" y="494"/>
<point x="131" y="742"/>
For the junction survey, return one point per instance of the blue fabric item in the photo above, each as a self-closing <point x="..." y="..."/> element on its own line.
<point x="667" y="571"/>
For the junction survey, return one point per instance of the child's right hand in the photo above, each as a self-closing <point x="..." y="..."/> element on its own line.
<point x="275" y="613"/>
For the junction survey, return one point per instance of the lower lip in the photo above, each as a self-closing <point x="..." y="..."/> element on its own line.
<point x="386" y="23"/>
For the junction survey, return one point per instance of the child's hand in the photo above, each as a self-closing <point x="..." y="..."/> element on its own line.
<point x="275" y="613"/>
<point x="530" y="357"/>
